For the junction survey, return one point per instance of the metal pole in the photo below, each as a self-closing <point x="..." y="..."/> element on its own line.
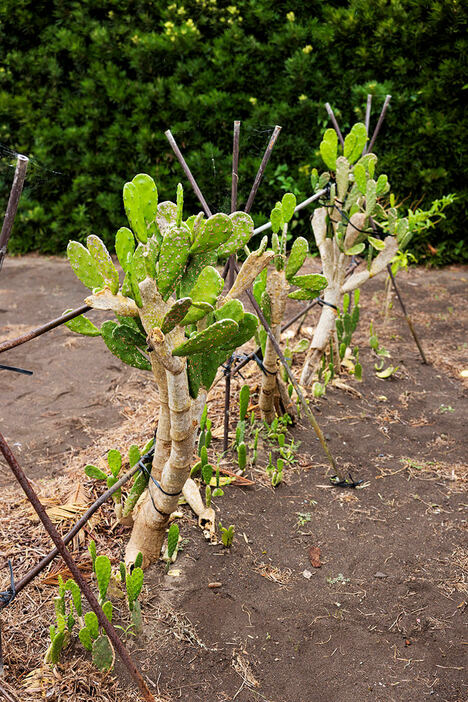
<point x="379" y="123"/>
<point x="298" y="207"/>
<point x="83" y="585"/>
<point x="407" y="317"/>
<point x="12" y="343"/>
<point x="331" y="114"/>
<point x="12" y="207"/>
<point x="261" y="170"/>
<point x="187" y="172"/>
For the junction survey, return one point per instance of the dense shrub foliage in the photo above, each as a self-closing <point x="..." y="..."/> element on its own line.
<point x="87" y="87"/>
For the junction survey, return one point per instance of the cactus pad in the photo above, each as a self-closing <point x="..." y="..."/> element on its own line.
<point x="206" y="290"/>
<point x="297" y="256"/>
<point x="84" y="265"/>
<point x="102" y="568"/>
<point x="172" y="258"/>
<point x="216" y="230"/>
<point x="82" y="325"/>
<point x="103" y="653"/>
<point x="242" y="232"/>
<point x="175" y="315"/>
<point x="123" y="346"/>
<point x="311" y="281"/>
<point x="104" y="263"/>
<point x="211" y="338"/>
<point x="329" y="148"/>
<point x="124" y="245"/>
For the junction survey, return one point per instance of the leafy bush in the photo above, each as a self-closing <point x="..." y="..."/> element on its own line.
<point x="88" y="87"/>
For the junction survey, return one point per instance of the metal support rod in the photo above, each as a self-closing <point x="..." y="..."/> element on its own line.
<point x="187" y="172"/>
<point x="407" y="317"/>
<point x="293" y="380"/>
<point x="298" y="207"/>
<point x="39" y="567"/>
<point x="81" y="582"/>
<point x="379" y="123"/>
<point x="331" y="114"/>
<point x="12" y="207"/>
<point x="261" y="170"/>
<point x="368" y="113"/>
<point x="12" y="343"/>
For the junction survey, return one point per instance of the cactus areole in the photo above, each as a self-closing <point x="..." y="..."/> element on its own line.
<point x="170" y="320"/>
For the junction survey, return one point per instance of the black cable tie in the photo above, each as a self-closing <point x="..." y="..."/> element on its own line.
<point x="169" y="494"/>
<point x="322" y="302"/>
<point x="8" y="595"/>
<point x="147" y="472"/>
<point x="259" y="362"/>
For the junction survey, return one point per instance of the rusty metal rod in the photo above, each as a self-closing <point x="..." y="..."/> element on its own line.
<point x="331" y="114"/>
<point x="188" y="172"/>
<point x="12" y="207"/>
<point x="12" y="343"/>
<point x="379" y="123"/>
<point x="81" y="582"/>
<point x="261" y="170"/>
<point x="31" y="574"/>
<point x="407" y="317"/>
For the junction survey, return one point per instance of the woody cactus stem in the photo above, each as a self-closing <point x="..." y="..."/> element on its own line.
<point x="342" y="229"/>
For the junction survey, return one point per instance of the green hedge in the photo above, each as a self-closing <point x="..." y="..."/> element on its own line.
<point x="88" y="87"/>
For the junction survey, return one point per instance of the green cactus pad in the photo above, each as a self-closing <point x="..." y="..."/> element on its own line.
<point x="72" y="587"/>
<point x="232" y="309"/>
<point x="195" y="265"/>
<point x="247" y="329"/>
<point x="303" y="294"/>
<point x="108" y="610"/>
<point x="244" y="397"/>
<point x="172" y="258"/>
<point x="103" y="653"/>
<point x="276" y="218"/>
<point x="371" y="196"/>
<point x="242" y="456"/>
<point x="206" y="290"/>
<point x="288" y="205"/>
<point x="297" y="256"/>
<point x="148" y="199"/>
<point x="180" y="204"/>
<point x="92" y="624"/>
<point x="124" y="245"/>
<point x="242" y="232"/>
<point x="209" y="339"/>
<point x="355" y="142"/>
<point x="102" y="568"/>
<point x="175" y="315"/>
<point x="196" y="224"/>
<point x="217" y="230"/>
<point x="114" y="460"/>
<point x="151" y="256"/>
<point x="122" y="346"/>
<point x="194" y="374"/>
<point x="134" y="212"/>
<point x="329" y="148"/>
<point x="166" y="216"/>
<point x="172" y="539"/>
<point x="355" y="250"/>
<point x="134" y="583"/>
<point x="86" y="638"/>
<point x="134" y="455"/>
<point x="82" y="325"/>
<point x="104" y="263"/>
<point x="95" y="473"/>
<point x="141" y="481"/>
<point x="137" y="620"/>
<point x="311" y="281"/>
<point x="360" y="177"/>
<point x="84" y="266"/>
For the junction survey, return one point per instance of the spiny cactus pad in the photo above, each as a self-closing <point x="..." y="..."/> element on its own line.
<point x="84" y="265"/>
<point x="172" y="258"/>
<point x="103" y="654"/>
<point x="242" y="231"/>
<point x="104" y="263"/>
<point x="297" y="256"/>
<point x="216" y="230"/>
<point x="209" y="339"/>
<point x="175" y="315"/>
<point x="124" y="245"/>
<point x="82" y="325"/>
<point x="311" y="281"/>
<point x="206" y="290"/>
<point x="123" y="345"/>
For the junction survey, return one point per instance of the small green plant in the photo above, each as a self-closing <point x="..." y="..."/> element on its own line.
<point x="346" y="324"/>
<point x="340" y="578"/>
<point x="381" y="353"/>
<point x="303" y="518"/>
<point x="275" y="473"/>
<point x="227" y="535"/>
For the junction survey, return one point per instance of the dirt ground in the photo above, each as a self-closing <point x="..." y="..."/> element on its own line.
<point x="384" y="616"/>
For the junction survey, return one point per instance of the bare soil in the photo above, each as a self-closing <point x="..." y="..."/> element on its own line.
<point x="384" y="616"/>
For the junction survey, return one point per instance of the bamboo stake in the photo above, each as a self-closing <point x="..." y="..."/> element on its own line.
<point x="12" y="207"/>
<point x="331" y="114"/>
<point x="261" y="170"/>
<point x="81" y="582"/>
<point x="379" y="123"/>
<point x="187" y="172"/>
<point x="38" y="331"/>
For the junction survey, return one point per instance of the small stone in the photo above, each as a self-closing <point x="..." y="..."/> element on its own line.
<point x="379" y="574"/>
<point x="307" y="574"/>
<point x="214" y="585"/>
